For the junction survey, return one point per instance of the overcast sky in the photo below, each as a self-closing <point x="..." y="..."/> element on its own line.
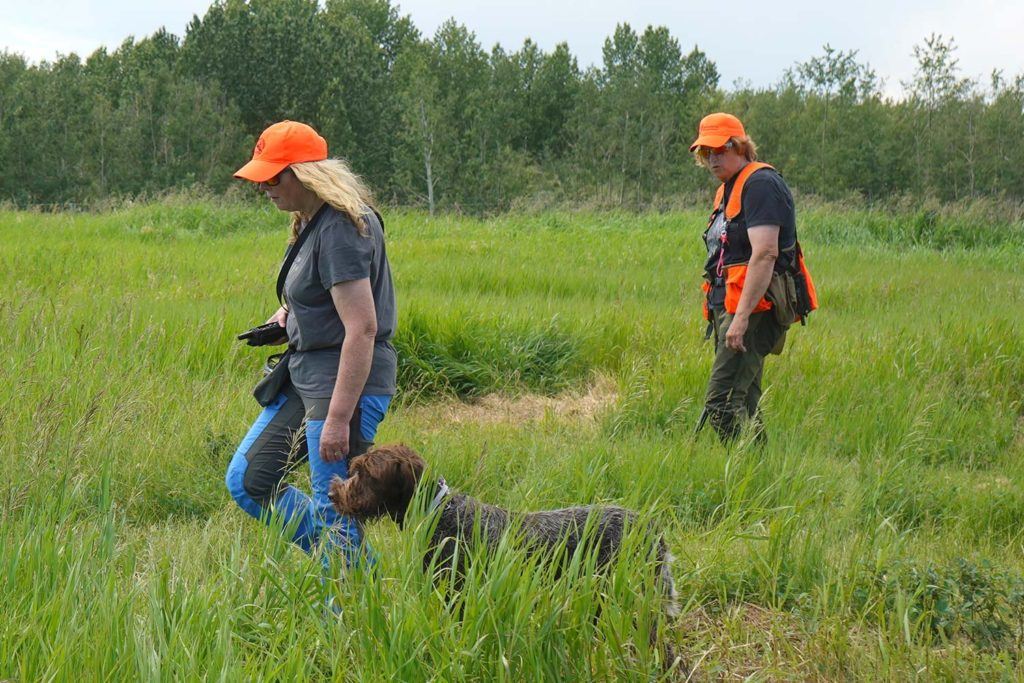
<point x="752" y="41"/>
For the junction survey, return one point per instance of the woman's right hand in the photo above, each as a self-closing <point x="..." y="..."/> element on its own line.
<point x="280" y="317"/>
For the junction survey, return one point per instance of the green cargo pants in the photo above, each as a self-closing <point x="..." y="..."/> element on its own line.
<point x="734" y="389"/>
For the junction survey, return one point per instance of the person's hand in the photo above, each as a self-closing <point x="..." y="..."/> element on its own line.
<point x="280" y="317"/>
<point x="334" y="440"/>
<point x="734" y="336"/>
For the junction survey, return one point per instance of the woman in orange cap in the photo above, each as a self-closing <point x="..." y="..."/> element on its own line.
<point x="751" y="235"/>
<point x="337" y="316"/>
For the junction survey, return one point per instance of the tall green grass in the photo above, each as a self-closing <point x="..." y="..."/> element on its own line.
<point x="876" y="536"/>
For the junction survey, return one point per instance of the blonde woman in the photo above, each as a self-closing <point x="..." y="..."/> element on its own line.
<point x="338" y="317"/>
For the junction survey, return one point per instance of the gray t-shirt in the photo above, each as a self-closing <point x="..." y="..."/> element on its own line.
<point x="336" y="253"/>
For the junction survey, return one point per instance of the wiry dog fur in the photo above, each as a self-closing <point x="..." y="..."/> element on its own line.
<point x="383" y="481"/>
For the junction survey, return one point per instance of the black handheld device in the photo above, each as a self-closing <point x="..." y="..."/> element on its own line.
<point x="270" y="334"/>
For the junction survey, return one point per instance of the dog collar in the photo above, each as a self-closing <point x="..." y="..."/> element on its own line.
<point x="442" y="491"/>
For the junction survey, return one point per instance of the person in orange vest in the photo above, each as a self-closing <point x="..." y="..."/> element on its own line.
<point x="752" y="252"/>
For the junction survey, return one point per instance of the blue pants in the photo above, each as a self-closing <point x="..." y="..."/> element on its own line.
<point x="274" y="445"/>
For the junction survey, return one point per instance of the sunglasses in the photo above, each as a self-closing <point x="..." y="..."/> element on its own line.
<point x="276" y="180"/>
<point x="707" y="151"/>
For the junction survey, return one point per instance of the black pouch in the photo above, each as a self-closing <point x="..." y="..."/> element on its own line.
<point x="275" y="376"/>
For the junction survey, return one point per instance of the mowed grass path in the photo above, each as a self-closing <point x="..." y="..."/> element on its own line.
<point x="877" y="536"/>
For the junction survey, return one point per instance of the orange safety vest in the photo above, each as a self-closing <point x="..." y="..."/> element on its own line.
<point x="736" y="273"/>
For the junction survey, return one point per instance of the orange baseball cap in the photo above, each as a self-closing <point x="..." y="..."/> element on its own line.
<point x="716" y="129"/>
<point x="280" y="145"/>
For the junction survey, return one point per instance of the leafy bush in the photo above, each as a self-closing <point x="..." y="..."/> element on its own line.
<point x="975" y="601"/>
<point x="471" y="357"/>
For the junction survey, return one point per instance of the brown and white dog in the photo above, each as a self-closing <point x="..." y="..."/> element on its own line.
<point x="383" y="481"/>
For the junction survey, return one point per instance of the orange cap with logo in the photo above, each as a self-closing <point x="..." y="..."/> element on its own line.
<point x="716" y="129"/>
<point x="280" y="145"/>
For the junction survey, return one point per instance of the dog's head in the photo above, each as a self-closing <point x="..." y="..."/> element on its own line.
<point x="380" y="482"/>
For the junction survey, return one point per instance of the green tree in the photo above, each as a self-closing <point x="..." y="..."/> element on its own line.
<point x="1000" y="136"/>
<point x="441" y="122"/>
<point x="936" y="94"/>
<point x="552" y="98"/>
<point x="443" y="87"/>
<point x="424" y="128"/>
<point x="637" y="113"/>
<point x="358" y="107"/>
<point x="267" y="55"/>
<point x="832" y="87"/>
<point x="12" y="70"/>
<point x="153" y="128"/>
<point x="48" y="131"/>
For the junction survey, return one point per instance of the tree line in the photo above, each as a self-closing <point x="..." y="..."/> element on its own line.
<point x="440" y="122"/>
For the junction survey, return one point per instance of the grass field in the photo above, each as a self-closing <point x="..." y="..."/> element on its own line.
<point x="547" y="360"/>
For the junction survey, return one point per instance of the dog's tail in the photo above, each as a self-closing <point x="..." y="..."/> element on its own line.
<point x="668" y="584"/>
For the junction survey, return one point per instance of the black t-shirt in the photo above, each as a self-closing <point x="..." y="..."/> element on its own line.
<point x="766" y="201"/>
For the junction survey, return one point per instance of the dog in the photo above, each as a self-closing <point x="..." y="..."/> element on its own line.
<point x="383" y="481"/>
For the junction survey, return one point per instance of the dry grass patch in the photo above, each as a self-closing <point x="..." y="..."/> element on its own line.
<point x="578" y="405"/>
<point x="744" y="641"/>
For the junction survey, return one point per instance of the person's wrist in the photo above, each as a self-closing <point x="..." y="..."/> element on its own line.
<point x="339" y="416"/>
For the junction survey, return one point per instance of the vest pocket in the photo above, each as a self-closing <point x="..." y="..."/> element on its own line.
<point x="706" y="288"/>
<point x="783" y="297"/>
<point x="735" y="276"/>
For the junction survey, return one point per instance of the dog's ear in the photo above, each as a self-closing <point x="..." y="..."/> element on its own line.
<point x="410" y="469"/>
<point x="405" y="472"/>
<point x="355" y="464"/>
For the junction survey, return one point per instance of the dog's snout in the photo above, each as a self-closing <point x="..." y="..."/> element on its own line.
<point x="333" y="489"/>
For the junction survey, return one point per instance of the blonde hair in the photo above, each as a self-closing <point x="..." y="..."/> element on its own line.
<point x="744" y="146"/>
<point x="334" y="182"/>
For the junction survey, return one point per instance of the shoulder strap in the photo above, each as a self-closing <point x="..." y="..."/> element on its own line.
<point x="293" y="251"/>
<point x="733" y="208"/>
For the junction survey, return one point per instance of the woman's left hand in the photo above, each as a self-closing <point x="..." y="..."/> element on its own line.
<point x="734" y="335"/>
<point x="334" y="440"/>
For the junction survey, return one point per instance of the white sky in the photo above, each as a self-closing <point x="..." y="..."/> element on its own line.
<point x="753" y="41"/>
